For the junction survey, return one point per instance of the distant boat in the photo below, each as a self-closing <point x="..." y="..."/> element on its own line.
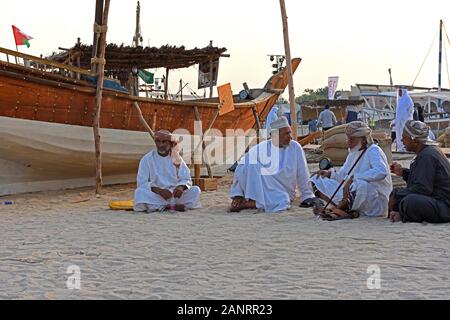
<point x="380" y="105"/>
<point x="46" y="139"/>
<point x="380" y="99"/>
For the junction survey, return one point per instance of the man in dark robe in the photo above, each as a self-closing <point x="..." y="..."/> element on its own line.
<point x="427" y="195"/>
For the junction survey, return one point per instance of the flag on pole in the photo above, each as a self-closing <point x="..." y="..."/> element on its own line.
<point x="147" y="76"/>
<point x="332" y="86"/>
<point x="20" y="37"/>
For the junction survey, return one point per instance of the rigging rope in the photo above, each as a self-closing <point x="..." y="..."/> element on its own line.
<point x="193" y="93"/>
<point x="446" y="56"/>
<point x="446" y="64"/>
<point x="445" y="30"/>
<point x="428" y="53"/>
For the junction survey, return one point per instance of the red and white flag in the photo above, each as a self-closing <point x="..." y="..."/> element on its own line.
<point x="20" y="37"/>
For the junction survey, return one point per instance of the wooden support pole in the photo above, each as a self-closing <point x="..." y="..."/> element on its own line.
<point x="211" y="80"/>
<point x="181" y="90"/>
<point x="166" y="84"/>
<point x="17" y="49"/>
<point x="142" y="120"/>
<point x="196" y="171"/>
<point x="208" y="167"/>
<point x="289" y="68"/>
<point x="98" y="21"/>
<point x="98" y="98"/>
<point x="211" y="74"/>
<point x="197" y="118"/>
<point x="196" y="165"/>
<point x="78" y="57"/>
<point x="257" y="123"/>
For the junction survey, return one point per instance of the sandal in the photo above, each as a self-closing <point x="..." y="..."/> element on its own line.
<point x="337" y="214"/>
<point x="333" y="216"/>
<point x="237" y="204"/>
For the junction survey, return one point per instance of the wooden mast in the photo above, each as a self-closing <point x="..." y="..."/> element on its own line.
<point x="289" y="69"/>
<point x="100" y="61"/>
<point x="166" y="85"/>
<point x="211" y="73"/>
<point x="137" y="41"/>
<point x="98" y="21"/>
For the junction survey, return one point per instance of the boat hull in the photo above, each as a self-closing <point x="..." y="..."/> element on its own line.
<point x="37" y="156"/>
<point x="42" y="156"/>
<point x="46" y="119"/>
<point x="29" y="97"/>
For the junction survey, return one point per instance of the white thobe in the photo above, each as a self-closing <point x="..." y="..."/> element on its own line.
<point x="157" y="171"/>
<point x="404" y="112"/>
<point x="372" y="182"/>
<point x="270" y="175"/>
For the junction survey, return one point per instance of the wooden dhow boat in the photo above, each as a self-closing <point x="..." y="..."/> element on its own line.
<point x="46" y="118"/>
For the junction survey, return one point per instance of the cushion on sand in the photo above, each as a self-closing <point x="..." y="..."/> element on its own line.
<point x="121" y="205"/>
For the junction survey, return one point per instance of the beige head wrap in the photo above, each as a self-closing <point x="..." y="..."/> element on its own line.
<point x="419" y="131"/>
<point x="357" y="129"/>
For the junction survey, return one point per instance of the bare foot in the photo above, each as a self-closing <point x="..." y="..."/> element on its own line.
<point x="317" y="210"/>
<point x="250" y="204"/>
<point x="339" y="211"/>
<point x="395" y="216"/>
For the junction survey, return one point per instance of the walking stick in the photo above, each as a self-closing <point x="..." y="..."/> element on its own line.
<point x="345" y="179"/>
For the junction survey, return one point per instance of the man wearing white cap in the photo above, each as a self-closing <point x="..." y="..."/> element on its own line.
<point x="266" y="178"/>
<point x="164" y="180"/>
<point x="367" y="190"/>
<point x="427" y="193"/>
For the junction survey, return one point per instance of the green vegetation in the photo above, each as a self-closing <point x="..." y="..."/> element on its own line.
<point x="311" y="94"/>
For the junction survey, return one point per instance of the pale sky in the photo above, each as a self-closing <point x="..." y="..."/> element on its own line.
<point x="357" y="40"/>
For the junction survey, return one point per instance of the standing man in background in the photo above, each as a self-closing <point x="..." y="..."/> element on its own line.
<point x="404" y="113"/>
<point x="327" y="119"/>
<point x="312" y="126"/>
<point x="271" y="117"/>
<point x="351" y="113"/>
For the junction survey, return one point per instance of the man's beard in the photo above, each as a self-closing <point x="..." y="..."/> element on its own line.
<point x="356" y="148"/>
<point x="163" y="152"/>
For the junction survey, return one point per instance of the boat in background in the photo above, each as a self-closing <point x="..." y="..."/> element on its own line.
<point x="46" y="118"/>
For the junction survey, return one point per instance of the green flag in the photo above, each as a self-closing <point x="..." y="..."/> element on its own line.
<point x="146" y="76"/>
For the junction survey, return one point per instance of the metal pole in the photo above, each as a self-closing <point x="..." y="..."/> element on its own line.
<point x="440" y="62"/>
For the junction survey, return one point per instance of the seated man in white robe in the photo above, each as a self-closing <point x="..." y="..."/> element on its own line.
<point x="164" y="180"/>
<point x="266" y="178"/>
<point x="367" y="190"/>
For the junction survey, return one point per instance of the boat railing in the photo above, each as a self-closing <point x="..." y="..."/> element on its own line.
<point x="48" y="66"/>
<point x="436" y="116"/>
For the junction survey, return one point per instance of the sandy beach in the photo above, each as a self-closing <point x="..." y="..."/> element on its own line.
<point x="210" y="253"/>
<point x="84" y="102"/>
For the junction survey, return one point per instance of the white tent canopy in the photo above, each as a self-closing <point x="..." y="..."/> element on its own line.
<point x="443" y="95"/>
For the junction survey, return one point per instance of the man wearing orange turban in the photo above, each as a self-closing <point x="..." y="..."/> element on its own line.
<point x="164" y="179"/>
